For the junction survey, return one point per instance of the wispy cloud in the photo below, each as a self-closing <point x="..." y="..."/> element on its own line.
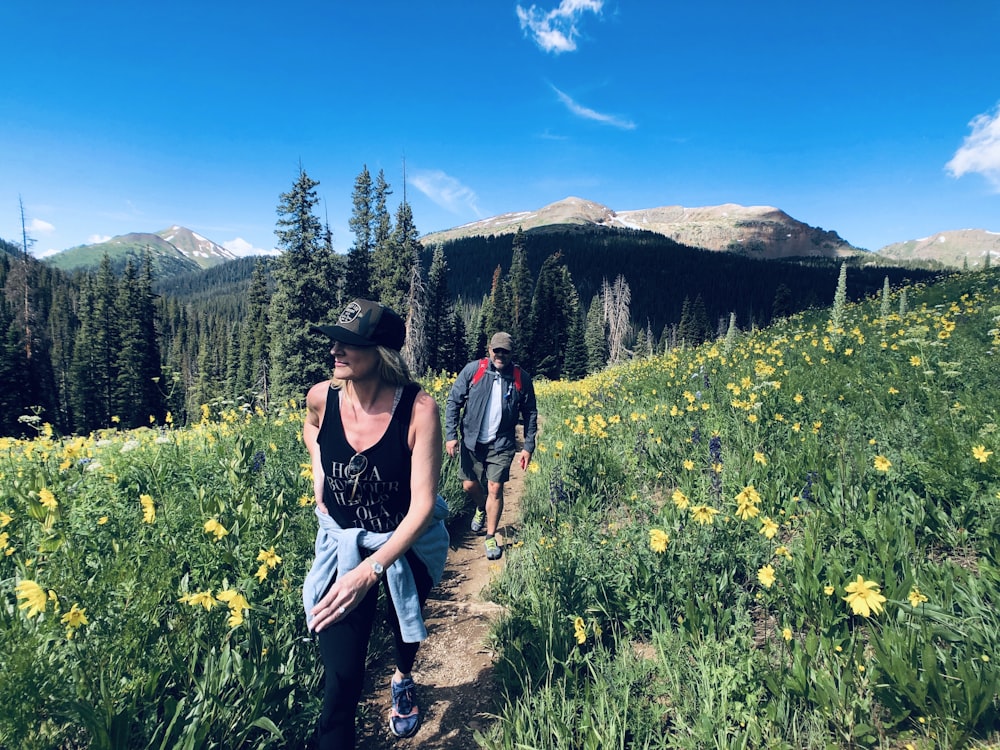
<point x="96" y="238"/>
<point x="589" y="114"/>
<point x="241" y="248"/>
<point x="446" y="191"/>
<point x="37" y="226"/>
<point x="556" y="30"/>
<point x="980" y="153"/>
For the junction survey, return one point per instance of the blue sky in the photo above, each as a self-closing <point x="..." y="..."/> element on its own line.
<point x="878" y="120"/>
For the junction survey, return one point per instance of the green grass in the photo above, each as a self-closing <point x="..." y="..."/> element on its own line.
<point x="691" y="524"/>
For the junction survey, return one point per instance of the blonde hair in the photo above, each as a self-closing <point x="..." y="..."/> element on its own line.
<point x="391" y="369"/>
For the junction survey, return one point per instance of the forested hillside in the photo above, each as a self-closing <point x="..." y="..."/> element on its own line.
<point x="664" y="275"/>
<point x="128" y="345"/>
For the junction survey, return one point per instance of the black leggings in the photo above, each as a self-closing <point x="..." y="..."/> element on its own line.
<point x="344" y="648"/>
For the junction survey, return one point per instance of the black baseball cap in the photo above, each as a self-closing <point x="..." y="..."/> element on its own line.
<point x="366" y="323"/>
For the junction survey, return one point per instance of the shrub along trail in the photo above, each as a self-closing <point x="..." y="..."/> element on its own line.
<point x="454" y="669"/>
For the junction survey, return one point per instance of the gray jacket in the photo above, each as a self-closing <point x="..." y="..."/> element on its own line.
<point x="518" y="405"/>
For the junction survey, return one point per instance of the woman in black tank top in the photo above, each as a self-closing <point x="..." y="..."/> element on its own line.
<point x="374" y="439"/>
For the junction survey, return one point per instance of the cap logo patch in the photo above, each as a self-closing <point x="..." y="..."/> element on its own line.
<point x="351" y="312"/>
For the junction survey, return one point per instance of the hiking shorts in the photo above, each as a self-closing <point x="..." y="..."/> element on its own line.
<point x="485" y="464"/>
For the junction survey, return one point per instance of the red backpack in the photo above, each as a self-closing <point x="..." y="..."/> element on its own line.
<point x="484" y="363"/>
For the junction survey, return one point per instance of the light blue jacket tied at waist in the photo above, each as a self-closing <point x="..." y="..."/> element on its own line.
<point x="338" y="551"/>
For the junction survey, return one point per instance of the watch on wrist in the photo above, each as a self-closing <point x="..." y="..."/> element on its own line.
<point x="377" y="567"/>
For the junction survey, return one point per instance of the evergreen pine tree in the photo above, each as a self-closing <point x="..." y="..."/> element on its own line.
<point x="552" y="309"/>
<point x="595" y="336"/>
<point x="381" y="220"/>
<point x="304" y="275"/>
<point x="357" y="279"/>
<point x="13" y="364"/>
<point x="137" y="367"/>
<point x="394" y="261"/>
<point x="458" y="353"/>
<point x="438" y="323"/>
<point x="641" y="344"/>
<point x="498" y="317"/>
<point x="685" y="332"/>
<point x="575" y="363"/>
<point x="519" y="288"/>
<point x="782" y="305"/>
<point x="255" y="366"/>
<point x="701" y="330"/>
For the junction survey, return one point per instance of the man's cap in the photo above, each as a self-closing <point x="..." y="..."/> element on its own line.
<point x="366" y="323"/>
<point x="502" y="340"/>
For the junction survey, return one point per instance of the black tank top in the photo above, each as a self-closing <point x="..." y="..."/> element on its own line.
<point x="373" y="491"/>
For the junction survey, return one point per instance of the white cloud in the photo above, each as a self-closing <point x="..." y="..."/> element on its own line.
<point x="590" y="114"/>
<point x="556" y="30"/>
<point x="38" y="226"/>
<point x="446" y="191"/>
<point x="241" y="248"/>
<point x="96" y="238"/>
<point x="980" y="153"/>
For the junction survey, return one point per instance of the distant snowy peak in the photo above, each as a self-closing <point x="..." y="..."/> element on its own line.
<point x="192" y="245"/>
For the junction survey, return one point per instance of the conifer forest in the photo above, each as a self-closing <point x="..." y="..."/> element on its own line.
<point x="118" y="345"/>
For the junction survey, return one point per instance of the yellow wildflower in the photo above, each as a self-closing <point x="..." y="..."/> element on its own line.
<point x="204" y="598"/>
<point x="704" y="514"/>
<point x="768" y="528"/>
<point x="658" y="540"/>
<point x="864" y="597"/>
<point x="680" y="500"/>
<point x="766" y="576"/>
<point x="981" y="454"/>
<point x="579" y="631"/>
<point x="34" y="597"/>
<point x="148" y="508"/>
<point x="269" y="557"/>
<point x="47" y="499"/>
<point x="882" y="464"/>
<point x="75" y="618"/>
<point x="212" y="526"/>
<point x="916" y="598"/>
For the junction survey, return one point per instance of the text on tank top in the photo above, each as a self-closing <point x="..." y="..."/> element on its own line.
<point x="373" y="492"/>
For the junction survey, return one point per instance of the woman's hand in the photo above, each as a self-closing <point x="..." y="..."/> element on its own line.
<point x="344" y="595"/>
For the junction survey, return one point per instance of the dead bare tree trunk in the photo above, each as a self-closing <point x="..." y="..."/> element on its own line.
<point x="415" y="349"/>
<point x="617" y="299"/>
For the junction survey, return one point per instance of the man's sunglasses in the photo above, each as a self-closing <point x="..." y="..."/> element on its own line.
<point x="502" y="352"/>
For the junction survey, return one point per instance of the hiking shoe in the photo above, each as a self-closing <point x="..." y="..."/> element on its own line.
<point x="404" y="719"/>
<point x="493" y="550"/>
<point x="478" y="521"/>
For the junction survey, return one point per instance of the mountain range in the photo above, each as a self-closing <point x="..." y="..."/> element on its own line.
<point x="762" y="232"/>
<point x="174" y="250"/>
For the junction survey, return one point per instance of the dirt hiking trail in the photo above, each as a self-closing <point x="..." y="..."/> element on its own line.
<point x="454" y="669"/>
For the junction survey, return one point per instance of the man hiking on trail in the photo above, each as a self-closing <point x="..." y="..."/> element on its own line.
<point x="495" y="394"/>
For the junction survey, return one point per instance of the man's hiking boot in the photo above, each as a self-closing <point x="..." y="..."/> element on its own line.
<point x="478" y="521"/>
<point x="493" y="550"/>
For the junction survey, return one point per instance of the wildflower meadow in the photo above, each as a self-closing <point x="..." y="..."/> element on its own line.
<point x="786" y="538"/>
